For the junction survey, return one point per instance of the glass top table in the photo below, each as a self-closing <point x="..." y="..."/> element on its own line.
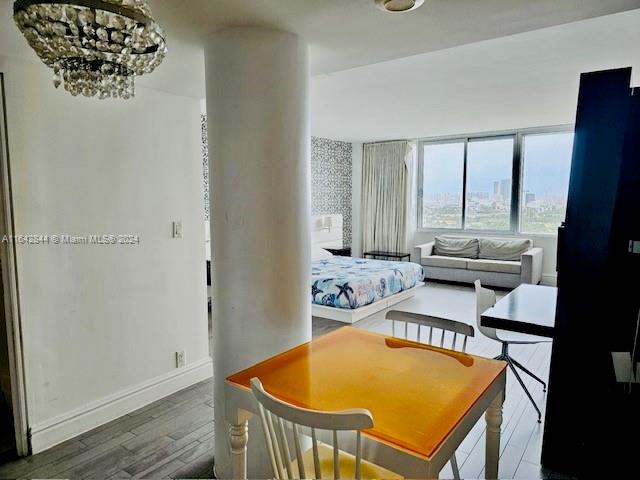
<point x="529" y="309"/>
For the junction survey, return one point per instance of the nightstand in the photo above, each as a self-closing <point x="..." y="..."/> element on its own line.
<point x="377" y="254"/>
<point x="340" y="252"/>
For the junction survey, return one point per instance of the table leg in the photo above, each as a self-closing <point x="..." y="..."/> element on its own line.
<point x="493" y="417"/>
<point x="238" y="437"/>
<point x="432" y="474"/>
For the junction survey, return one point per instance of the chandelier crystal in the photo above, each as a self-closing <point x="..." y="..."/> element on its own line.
<point x="95" y="47"/>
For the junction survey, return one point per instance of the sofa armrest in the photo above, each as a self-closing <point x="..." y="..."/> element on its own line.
<point x="531" y="271"/>
<point x="424" y="250"/>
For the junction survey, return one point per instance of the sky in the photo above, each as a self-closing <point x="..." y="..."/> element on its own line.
<point x="546" y="164"/>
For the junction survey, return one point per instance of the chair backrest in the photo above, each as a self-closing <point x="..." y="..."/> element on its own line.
<point x="457" y="329"/>
<point x="485" y="299"/>
<point x="275" y="415"/>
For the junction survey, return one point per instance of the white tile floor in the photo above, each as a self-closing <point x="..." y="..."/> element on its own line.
<point x="521" y="434"/>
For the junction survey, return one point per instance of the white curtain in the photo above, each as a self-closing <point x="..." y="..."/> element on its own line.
<point x="385" y="196"/>
<point x="411" y="161"/>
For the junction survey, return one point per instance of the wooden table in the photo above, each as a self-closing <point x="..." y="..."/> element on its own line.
<point x="424" y="400"/>
<point x="528" y="309"/>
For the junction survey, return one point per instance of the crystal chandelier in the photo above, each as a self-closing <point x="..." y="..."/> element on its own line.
<point x="95" y="47"/>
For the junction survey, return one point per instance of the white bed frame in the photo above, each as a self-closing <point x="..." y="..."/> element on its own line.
<point x="331" y="237"/>
<point x="347" y="315"/>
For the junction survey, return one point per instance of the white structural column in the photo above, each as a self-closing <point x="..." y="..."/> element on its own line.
<point x="258" y="124"/>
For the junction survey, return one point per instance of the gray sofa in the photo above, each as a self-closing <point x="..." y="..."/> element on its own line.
<point x="498" y="262"/>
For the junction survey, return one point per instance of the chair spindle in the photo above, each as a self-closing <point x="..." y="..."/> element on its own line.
<point x="336" y="456"/>
<point x="358" y="455"/>
<point x="316" y="458"/>
<point x="296" y="440"/>
<point x="276" y="447"/>
<point x="268" y="439"/>
<point x="284" y="447"/>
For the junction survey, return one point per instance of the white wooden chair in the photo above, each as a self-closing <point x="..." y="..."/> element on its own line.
<point x="456" y="329"/>
<point x="320" y="461"/>
<point x="485" y="299"/>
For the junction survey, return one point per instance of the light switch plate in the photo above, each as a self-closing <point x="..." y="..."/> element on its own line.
<point x="177" y="229"/>
<point x="181" y="359"/>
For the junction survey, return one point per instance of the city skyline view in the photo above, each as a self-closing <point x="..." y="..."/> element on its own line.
<point x="546" y="163"/>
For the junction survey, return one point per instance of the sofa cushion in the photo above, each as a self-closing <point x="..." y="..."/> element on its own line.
<point x="456" y="247"/>
<point x="499" y="266"/>
<point x="446" y="262"/>
<point x="503" y="249"/>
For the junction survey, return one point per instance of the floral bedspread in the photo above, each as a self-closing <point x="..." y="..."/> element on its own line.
<point x="345" y="282"/>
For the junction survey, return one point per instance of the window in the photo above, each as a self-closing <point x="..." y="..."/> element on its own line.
<point x="489" y="182"/>
<point x="545" y="181"/>
<point x="503" y="183"/>
<point x="442" y="181"/>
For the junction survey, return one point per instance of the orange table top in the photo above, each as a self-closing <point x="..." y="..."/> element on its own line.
<point x="416" y="393"/>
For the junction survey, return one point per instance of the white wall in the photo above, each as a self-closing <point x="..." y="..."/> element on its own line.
<point x="101" y="324"/>
<point x="516" y="81"/>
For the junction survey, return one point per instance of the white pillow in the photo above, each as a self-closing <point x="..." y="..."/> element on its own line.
<point x="318" y="253"/>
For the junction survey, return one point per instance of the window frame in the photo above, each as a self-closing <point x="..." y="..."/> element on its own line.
<point x="420" y="189"/>
<point x="515" y="227"/>
<point x="513" y="177"/>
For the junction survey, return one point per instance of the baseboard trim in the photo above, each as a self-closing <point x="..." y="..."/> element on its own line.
<point x="549" y="279"/>
<point x="56" y="430"/>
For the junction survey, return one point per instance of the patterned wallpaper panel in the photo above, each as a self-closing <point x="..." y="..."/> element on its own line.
<point x="330" y="178"/>
<point x="205" y="165"/>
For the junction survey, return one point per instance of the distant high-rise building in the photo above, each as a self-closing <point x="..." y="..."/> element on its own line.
<point x="529" y="197"/>
<point x="502" y="189"/>
<point x="505" y="188"/>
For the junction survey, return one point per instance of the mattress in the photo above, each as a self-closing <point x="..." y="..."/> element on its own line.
<point x="350" y="283"/>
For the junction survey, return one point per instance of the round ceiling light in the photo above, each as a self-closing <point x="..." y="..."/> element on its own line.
<point x="398" y="6"/>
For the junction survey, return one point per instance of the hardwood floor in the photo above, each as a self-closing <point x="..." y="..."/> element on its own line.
<point x="173" y="437"/>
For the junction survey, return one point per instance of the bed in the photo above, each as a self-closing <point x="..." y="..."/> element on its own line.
<point x="348" y="289"/>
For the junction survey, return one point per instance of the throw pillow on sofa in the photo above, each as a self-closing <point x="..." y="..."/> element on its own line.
<point x="501" y="249"/>
<point x="456" y="247"/>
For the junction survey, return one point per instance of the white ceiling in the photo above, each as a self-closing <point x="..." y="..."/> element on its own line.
<point x="349" y="33"/>
<point x="524" y="80"/>
<point x="495" y="75"/>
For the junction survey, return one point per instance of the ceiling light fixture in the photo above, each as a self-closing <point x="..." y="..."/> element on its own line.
<point x="95" y="47"/>
<point x="398" y="6"/>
